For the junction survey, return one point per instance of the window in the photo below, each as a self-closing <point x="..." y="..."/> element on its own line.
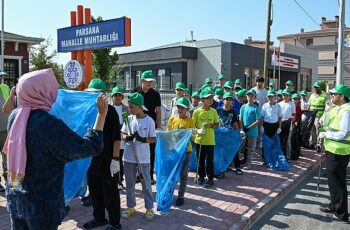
<point x="11" y="69"/>
<point x="309" y="42"/>
<point x="138" y="77"/>
<point x="163" y="81"/>
<point x="128" y="80"/>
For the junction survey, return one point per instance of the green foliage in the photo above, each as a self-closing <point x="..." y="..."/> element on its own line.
<point x="103" y="62"/>
<point x="42" y="58"/>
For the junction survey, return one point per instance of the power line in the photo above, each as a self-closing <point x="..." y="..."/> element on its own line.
<point x="306" y="12"/>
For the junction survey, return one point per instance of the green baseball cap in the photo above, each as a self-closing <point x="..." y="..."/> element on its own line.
<point x="97" y="84"/>
<point x="228" y="84"/>
<point x="271" y="93"/>
<point x="303" y="92"/>
<point x="279" y="92"/>
<point x="241" y="93"/>
<point x="229" y="94"/>
<point x="296" y="95"/>
<point x="195" y="94"/>
<point x="342" y="89"/>
<point x="204" y="86"/>
<point x="180" y="85"/>
<point x="207" y="92"/>
<point x="286" y="91"/>
<point x="207" y="80"/>
<point x="187" y="91"/>
<point x="251" y="91"/>
<point x="289" y="82"/>
<point x="272" y="84"/>
<point x="137" y="99"/>
<point x="238" y="81"/>
<point x="238" y="87"/>
<point x="183" y="101"/>
<point x="118" y="89"/>
<point x="221" y="76"/>
<point x="317" y="84"/>
<point x="219" y="91"/>
<point x="147" y="76"/>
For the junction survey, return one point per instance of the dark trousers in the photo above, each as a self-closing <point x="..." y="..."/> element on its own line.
<point x="284" y="135"/>
<point x="105" y="195"/>
<point x="336" y="172"/>
<point x="206" y="161"/>
<point x="32" y="224"/>
<point x="236" y="161"/>
<point x="152" y="148"/>
<point x="121" y="172"/>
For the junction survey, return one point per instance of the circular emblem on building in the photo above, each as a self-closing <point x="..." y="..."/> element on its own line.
<point x="73" y="74"/>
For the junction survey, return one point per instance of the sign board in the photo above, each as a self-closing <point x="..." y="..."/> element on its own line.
<point x="73" y="74"/>
<point x="284" y="61"/>
<point x="104" y="34"/>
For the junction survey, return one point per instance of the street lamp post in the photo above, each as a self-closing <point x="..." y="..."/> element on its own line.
<point x="2" y="39"/>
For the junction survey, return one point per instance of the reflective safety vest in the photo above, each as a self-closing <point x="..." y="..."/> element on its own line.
<point x="5" y="91"/>
<point x="341" y="147"/>
<point x="318" y="103"/>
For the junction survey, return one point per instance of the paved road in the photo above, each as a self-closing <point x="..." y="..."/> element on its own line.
<point x="300" y="208"/>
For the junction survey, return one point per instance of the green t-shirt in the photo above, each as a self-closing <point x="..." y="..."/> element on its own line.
<point x="199" y="117"/>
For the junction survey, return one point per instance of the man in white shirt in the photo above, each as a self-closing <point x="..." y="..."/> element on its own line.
<point x="261" y="98"/>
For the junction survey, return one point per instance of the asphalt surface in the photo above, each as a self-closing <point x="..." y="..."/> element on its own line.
<point x="300" y="208"/>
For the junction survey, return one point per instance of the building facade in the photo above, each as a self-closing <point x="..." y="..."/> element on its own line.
<point x="193" y="61"/>
<point x="325" y="43"/>
<point x="16" y="56"/>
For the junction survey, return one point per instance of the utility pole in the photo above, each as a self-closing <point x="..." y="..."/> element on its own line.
<point x="340" y="59"/>
<point x="267" y="45"/>
<point x="2" y="37"/>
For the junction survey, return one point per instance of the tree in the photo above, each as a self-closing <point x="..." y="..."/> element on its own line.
<point x="42" y="58"/>
<point x="103" y="61"/>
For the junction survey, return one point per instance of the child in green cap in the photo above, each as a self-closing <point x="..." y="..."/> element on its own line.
<point x="206" y="119"/>
<point x="138" y="133"/>
<point x="182" y="121"/>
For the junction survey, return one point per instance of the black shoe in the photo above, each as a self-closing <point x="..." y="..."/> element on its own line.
<point x="2" y="189"/>
<point x="209" y="184"/>
<point x="220" y="176"/>
<point x="87" y="202"/>
<point x="336" y="218"/>
<point x="312" y="147"/>
<point x="112" y="227"/>
<point x="94" y="224"/>
<point x="179" y="201"/>
<point x="326" y="210"/>
<point x="153" y="182"/>
<point x="138" y="179"/>
<point x="199" y="181"/>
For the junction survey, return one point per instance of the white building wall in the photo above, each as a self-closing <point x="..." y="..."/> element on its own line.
<point x="208" y="64"/>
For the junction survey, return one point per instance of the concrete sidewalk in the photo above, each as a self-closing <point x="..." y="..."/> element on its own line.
<point x="235" y="202"/>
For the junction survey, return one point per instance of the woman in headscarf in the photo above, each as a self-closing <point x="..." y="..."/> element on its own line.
<point x="37" y="147"/>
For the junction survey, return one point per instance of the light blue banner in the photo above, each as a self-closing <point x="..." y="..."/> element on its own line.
<point x="170" y="155"/>
<point x="78" y="110"/>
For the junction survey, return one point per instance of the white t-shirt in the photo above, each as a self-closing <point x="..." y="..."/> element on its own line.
<point x="146" y="128"/>
<point x="261" y="96"/>
<point x="287" y="109"/>
<point x="271" y="113"/>
<point x="119" y="109"/>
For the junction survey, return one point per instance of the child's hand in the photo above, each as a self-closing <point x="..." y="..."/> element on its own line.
<point x="207" y="124"/>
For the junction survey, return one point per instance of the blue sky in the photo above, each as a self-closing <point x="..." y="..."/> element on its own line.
<point x="159" y="22"/>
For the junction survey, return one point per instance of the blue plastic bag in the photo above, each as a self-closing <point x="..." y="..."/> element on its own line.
<point x="273" y="153"/>
<point x="78" y="110"/>
<point x="227" y="144"/>
<point x="170" y="154"/>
